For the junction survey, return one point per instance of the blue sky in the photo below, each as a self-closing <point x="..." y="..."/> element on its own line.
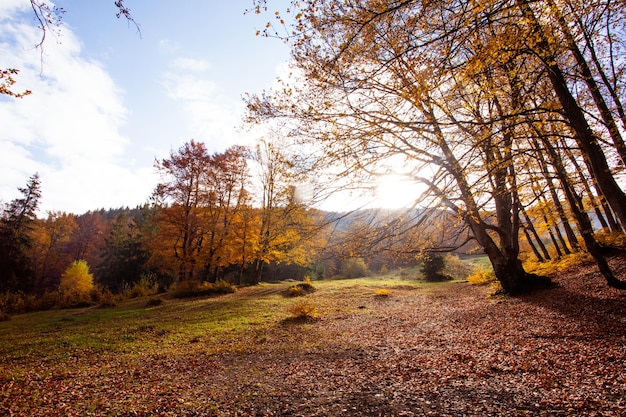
<point x="106" y="101"/>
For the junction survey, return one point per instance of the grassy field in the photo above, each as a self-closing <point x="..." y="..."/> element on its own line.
<point x="230" y="323"/>
<point x="382" y="346"/>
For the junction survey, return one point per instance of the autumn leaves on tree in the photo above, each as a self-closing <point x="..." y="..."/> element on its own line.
<point x="207" y="219"/>
<point x="491" y="105"/>
<point x="508" y="114"/>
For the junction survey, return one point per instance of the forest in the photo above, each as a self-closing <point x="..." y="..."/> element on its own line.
<point x="203" y="224"/>
<point x="508" y="114"/>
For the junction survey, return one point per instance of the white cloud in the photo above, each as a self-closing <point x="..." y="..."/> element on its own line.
<point x="186" y="87"/>
<point x="9" y="7"/>
<point x="68" y="129"/>
<point x="211" y="116"/>
<point x="190" y="64"/>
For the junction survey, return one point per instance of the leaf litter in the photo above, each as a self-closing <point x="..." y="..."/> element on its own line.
<point x="449" y="351"/>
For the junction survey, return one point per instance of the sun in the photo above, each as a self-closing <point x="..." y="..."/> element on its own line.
<point x="396" y="191"/>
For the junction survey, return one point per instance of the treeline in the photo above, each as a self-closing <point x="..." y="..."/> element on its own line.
<point x="203" y="224"/>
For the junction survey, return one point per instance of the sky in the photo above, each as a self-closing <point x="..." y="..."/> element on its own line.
<point x="107" y="101"/>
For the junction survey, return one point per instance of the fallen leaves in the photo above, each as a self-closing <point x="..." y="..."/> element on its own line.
<point x="451" y="352"/>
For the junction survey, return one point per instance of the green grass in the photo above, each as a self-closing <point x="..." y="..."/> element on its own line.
<point x="57" y="341"/>
<point x="481" y="261"/>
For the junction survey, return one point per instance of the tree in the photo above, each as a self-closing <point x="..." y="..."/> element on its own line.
<point x="50" y="252"/>
<point x="451" y="89"/>
<point x="182" y="192"/>
<point x="286" y="231"/>
<point x="16" y="225"/>
<point x="77" y="280"/>
<point x="88" y="237"/>
<point x="224" y="216"/>
<point x="123" y="257"/>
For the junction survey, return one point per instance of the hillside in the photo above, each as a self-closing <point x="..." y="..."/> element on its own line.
<point x="415" y="349"/>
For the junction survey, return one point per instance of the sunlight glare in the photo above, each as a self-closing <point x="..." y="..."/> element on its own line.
<point x="396" y="191"/>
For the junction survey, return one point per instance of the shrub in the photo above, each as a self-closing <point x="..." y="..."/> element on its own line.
<point x="194" y="288"/>
<point x="104" y="297"/>
<point x="559" y="265"/>
<point x="223" y="287"/>
<point x="481" y="277"/>
<point x="354" y="268"/>
<point x="76" y="279"/>
<point x="147" y="285"/>
<point x="300" y="289"/>
<point x="303" y="311"/>
<point x="4" y="316"/>
<point x="11" y="303"/>
<point x="382" y="292"/>
<point x="432" y="267"/>
<point x="612" y="239"/>
<point x="17" y="303"/>
<point x="456" y="268"/>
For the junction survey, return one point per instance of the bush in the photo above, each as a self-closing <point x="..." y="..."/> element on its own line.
<point x="76" y="279"/>
<point x="194" y="288"/>
<point x="303" y="288"/>
<point x="17" y="303"/>
<point x="481" y="277"/>
<point x="456" y="268"/>
<point x="559" y="265"/>
<point x="612" y="239"/>
<point x="354" y="268"/>
<point x="147" y="285"/>
<point x="104" y="297"/>
<point x="303" y="311"/>
<point x="382" y="292"/>
<point x="4" y="316"/>
<point x="432" y="267"/>
<point x="74" y="299"/>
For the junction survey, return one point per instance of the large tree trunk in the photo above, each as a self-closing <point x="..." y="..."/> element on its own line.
<point x="504" y="259"/>
<point x="594" y="89"/>
<point x="582" y="218"/>
<point x="587" y="141"/>
<point x="506" y="265"/>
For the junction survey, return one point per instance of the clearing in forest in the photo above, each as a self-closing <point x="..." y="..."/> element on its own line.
<point x="385" y="347"/>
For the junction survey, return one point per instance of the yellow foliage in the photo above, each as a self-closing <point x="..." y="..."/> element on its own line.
<point x="303" y="310"/>
<point x="559" y="265"/>
<point x="304" y="288"/>
<point x="382" y="292"/>
<point x="614" y="239"/>
<point x="77" y="279"/>
<point x="481" y="277"/>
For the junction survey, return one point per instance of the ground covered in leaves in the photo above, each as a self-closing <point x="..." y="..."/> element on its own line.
<point x="445" y="350"/>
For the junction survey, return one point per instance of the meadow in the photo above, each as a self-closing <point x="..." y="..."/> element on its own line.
<point x="387" y="345"/>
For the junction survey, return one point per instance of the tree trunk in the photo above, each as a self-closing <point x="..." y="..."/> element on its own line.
<point x="532" y="246"/>
<point x="582" y="218"/>
<point x="585" y="183"/>
<point x="575" y="117"/>
<point x="594" y="89"/>
<point x="531" y="227"/>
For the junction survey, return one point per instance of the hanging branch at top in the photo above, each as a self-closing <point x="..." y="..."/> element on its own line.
<point x="125" y="11"/>
<point x="50" y="18"/>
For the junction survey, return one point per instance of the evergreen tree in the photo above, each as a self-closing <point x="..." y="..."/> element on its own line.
<point x="123" y="255"/>
<point x="16" y="225"/>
